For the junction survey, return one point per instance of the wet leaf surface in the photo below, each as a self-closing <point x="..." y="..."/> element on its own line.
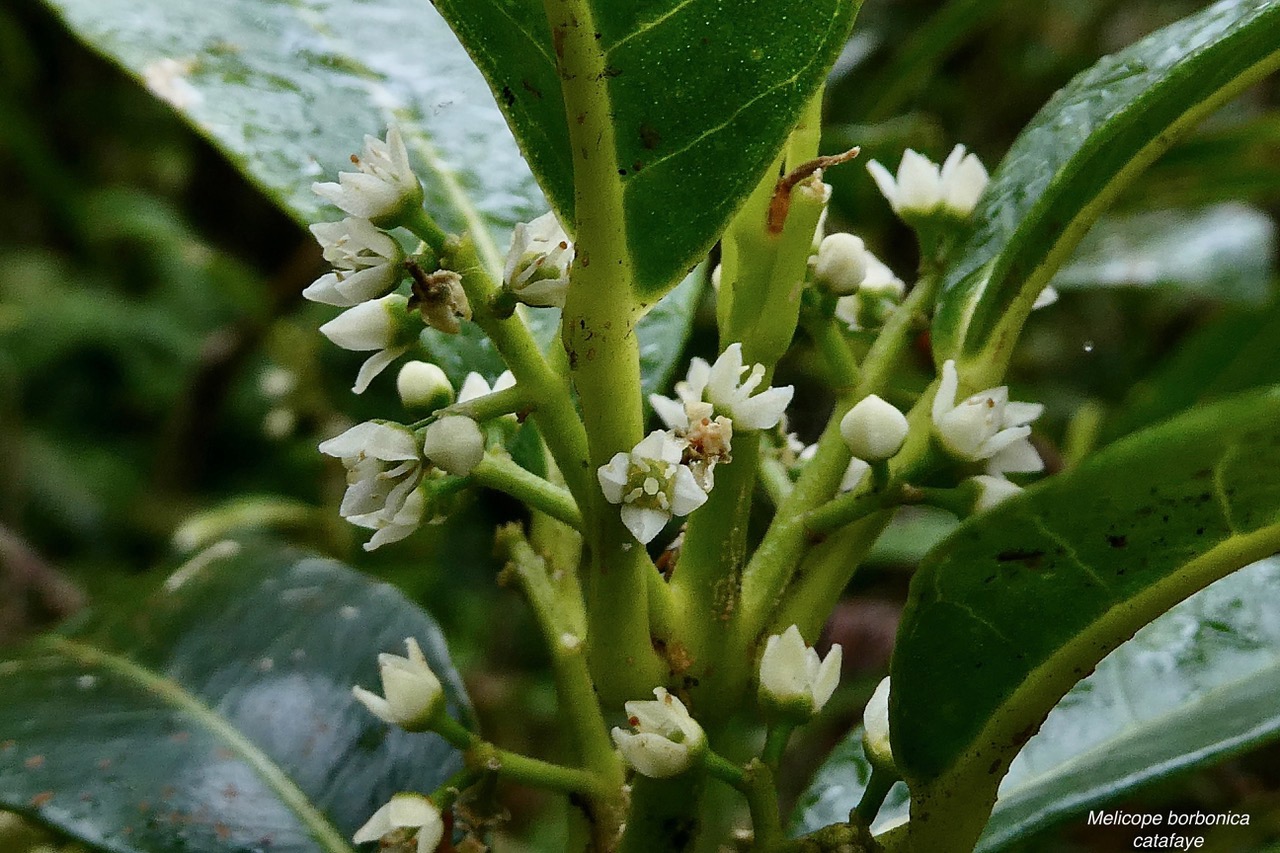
<point x="219" y="716"/>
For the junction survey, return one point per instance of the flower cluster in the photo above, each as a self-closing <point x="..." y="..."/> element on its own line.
<point x="670" y="472"/>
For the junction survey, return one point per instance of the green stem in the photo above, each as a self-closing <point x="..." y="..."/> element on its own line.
<point x="873" y="797"/>
<point x="787" y="539"/>
<point x="489" y="406"/>
<point x="775" y="743"/>
<point x="855" y="506"/>
<point x="762" y="800"/>
<point x="598" y="331"/>
<point x="556" y="417"/>
<point x="535" y="772"/>
<point x="719" y="767"/>
<point x="499" y="471"/>
<point x="775" y="479"/>
<point x="425" y="228"/>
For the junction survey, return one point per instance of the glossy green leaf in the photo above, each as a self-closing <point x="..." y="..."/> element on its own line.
<point x="1223" y="253"/>
<point x="1191" y="687"/>
<point x="1022" y="602"/>
<point x="218" y="716"/>
<point x="287" y="90"/>
<point x="702" y="94"/>
<point x="1087" y="144"/>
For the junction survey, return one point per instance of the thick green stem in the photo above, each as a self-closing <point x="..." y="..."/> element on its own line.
<point x="555" y="414"/>
<point x="775" y="743"/>
<point x="708" y="573"/>
<point x="788" y="538"/>
<point x="500" y="472"/>
<point x="762" y="799"/>
<point x="598" y="331"/>
<point x="873" y="796"/>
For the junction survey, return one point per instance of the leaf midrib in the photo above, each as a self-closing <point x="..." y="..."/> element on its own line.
<point x="322" y="831"/>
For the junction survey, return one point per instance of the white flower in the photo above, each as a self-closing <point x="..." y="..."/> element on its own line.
<point x="874" y="430"/>
<point x="454" y="444"/>
<point x="922" y="188"/>
<point x="963" y="180"/>
<point x="413" y="693"/>
<point x="384" y="190"/>
<point x="722" y="385"/>
<point x="384" y="468"/>
<point x="792" y="676"/>
<point x="651" y="485"/>
<point x="475" y="385"/>
<point x="666" y="741"/>
<point x="881" y="291"/>
<point x="377" y="325"/>
<point x="875" y="724"/>
<point x="992" y="491"/>
<point x="538" y="262"/>
<point x="405" y="811"/>
<point x="986" y="425"/>
<point x="423" y="385"/>
<point x="1047" y="297"/>
<point x="367" y="263"/>
<point x="842" y="263"/>
<point x="854" y="474"/>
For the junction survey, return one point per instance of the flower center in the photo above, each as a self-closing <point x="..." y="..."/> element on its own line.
<point x="650" y="484"/>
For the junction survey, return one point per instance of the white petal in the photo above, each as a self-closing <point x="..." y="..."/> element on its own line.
<point x="1020" y="457"/>
<point x="993" y="491"/>
<point x="827" y="677"/>
<point x="854" y="474"/>
<point x="1002" y="439"/>
<point x="374" y="365"/>
<point x="919" y="184"/>
<point x="670" y="412"/>
<point x="411" y="810"/>
<point x="613" y="477"/>
<point x="431" y="834"/>
<point x="454" y="444"/>
<point x="376" y="827"/>
<point x="368" y="326"/>
<point x="875" y="721"/>
<point x="325" y="290"/>
<point x="644" y="524"/>
<point x="945" y="400"/>
<point x="381" y="709"/>
<point x="1017" y="414"/>
<point x="764" y="410"/>
<point x="688" y="495"/>
<point x="473" y="386"/>
<point x="1047" y="297"/>
<point x="885" y="181"/>
<point x="724" y="376"/>
<point x="652" y="755"/>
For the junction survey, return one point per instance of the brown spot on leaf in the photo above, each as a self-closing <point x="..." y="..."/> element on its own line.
<point x="35" y="762"/>
<point x="41" y="799"/>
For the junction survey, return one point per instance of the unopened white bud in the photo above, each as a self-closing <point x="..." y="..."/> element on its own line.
<point x="423" y="385"/>
<point x="794" y="681"/>
<point x="874" y="429"/>
<point x="875" y="724"/>
<point x="664" y="740"/>
<point x="842" y="264"/>
<point x="454" y="444"/>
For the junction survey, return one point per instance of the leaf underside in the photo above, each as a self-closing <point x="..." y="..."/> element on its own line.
<point x="219" y="716"/>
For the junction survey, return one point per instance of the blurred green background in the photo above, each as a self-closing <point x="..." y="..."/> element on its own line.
<point x="162" y="382"/>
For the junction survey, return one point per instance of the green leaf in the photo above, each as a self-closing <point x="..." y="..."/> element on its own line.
<point x="1087" y="144"/>
<point x="286" y="91"/>
<point x="1191" y="687"/>
<point x="219" y="715"/>
<point x="702" y="94"/>
<point x="1222" y="253"/>
<point x="1023" y="601"/>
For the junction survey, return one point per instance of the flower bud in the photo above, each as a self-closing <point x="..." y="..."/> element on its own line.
<point x="413" y="694"/>
<point x="454" y="444"/>
<point x="875" y="724"/>
<point x="794" y="681"/>
<point x="874" y="429"/>
<point x="666" y="741"/>
<point x="423" y="385"/>
<point x="842" y="264"/>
